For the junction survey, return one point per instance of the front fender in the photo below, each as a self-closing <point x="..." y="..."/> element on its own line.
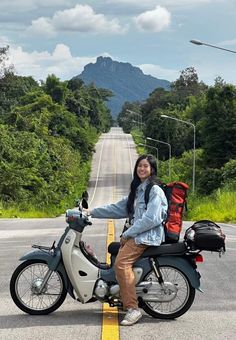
<point x="54" y="262"/>
<point x="184" y="266"/>
<point x="52" y="259"/>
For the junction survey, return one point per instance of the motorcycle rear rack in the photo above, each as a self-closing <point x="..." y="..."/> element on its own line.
<point x="45" y="248"/>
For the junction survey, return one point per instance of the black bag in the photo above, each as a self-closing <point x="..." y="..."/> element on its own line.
<point x="205" y="235"/>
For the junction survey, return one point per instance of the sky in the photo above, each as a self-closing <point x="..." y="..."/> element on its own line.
<point x="61" y="36"/>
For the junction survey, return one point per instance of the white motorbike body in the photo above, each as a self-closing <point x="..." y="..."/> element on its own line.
<point x="83" y="274"/>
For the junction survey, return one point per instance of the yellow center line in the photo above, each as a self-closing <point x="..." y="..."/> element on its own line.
<point x="110" y="325"/>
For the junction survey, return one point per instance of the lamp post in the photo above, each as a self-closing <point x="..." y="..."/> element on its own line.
<point x="139" y="115"/>
<point x="150" y="146"/>
<point x="198" y="42"/>
<point x="135" y="121"/>
<point x="194" y="144"/>
<point x="169" y="146"/>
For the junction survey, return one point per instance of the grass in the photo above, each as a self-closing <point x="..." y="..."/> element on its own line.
<point x="219" y="207"/>
<point x="31" y="212"/>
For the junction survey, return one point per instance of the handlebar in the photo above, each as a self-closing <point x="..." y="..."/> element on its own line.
<point x="77" y="220"/>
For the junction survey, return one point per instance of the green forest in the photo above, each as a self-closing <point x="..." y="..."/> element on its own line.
<point x="211" y="112"/>
<point x="48" y="131"/>
<point x="47" y="136"/>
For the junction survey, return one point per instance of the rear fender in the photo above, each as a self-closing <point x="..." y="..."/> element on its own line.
<point x="54" y="262"/>
<point x="184" y="266"/>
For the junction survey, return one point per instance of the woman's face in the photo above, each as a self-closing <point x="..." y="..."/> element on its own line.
<point x="144" y="170"/>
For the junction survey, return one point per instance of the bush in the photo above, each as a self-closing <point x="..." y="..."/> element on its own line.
<point x="209" y="180"/>
<point x="229" y="172"/>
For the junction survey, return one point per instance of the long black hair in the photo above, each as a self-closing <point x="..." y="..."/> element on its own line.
<point x="136" y="180"/>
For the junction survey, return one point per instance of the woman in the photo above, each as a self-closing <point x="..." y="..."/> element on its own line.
<point x="145" y="229"/>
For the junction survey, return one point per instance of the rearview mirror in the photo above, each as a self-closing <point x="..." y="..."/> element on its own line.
<point x="84" y="203"/>
<point x="85" y="195"/>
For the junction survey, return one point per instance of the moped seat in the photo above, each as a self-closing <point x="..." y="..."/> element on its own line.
<point x="178" y="248"/>
<point x="164" y="249"/>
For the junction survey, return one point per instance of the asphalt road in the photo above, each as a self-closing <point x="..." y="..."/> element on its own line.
<point x="212" y="316"/>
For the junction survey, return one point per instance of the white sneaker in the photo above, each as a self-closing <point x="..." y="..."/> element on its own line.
<point x="131" y="317"/>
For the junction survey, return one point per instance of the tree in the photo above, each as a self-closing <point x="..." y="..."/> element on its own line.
<point x="160" y="99"/>
<point x="187" y="85"/>
<point x="36" y="171"/>
<point x="130" y="112"/>
<point x="47" y="135"/>
<point x="4" y="69"/>
<point x="75" y="84"/>
<point x="219" y="126"/>
<point x="55" y="88"/>
<point x="12" y="88"/>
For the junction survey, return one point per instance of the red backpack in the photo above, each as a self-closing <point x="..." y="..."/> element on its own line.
<point x="176" y="193"/>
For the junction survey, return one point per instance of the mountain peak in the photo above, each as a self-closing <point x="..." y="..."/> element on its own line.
<point x="127" y="82"/>
<point x="104" y="60"/>
<point x="108" y="65"/>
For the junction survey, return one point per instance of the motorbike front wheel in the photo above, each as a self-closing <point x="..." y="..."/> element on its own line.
<point x="26" y="282"/>
<point x="174" y="298"/>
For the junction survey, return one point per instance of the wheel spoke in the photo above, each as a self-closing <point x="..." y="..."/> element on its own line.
<point x="26" y="278"/>
<point x="178" y="287"/>
<point x="28" y="284"/>
<point x="26" y="291"/>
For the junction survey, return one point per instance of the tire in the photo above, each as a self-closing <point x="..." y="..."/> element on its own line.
<point x="180" y="294"/>
<point x="25" y="282"/>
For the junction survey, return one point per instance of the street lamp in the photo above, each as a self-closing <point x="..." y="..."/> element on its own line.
<point x="198" y="42"/>
<point x="160" y="141"/>
<point x="194" y="144"/>
<point x="135" y="121"/>
<point x="137" y="114"/>
<point x="150" y="146"/>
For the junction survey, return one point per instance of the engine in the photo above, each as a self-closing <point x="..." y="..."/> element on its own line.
<point x="101" y="289"/>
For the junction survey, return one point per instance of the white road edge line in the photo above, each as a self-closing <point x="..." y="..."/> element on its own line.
<point x="98" y="171"/>
<point x="130" y="159"/>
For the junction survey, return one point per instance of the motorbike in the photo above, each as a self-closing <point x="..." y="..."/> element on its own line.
<point x="166" y="276"/>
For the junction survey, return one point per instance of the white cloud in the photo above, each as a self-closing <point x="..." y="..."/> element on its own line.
<point x="42" y="26"/>
<point x="40" y="64"/>
<point x="65" y="66"/>
<point x="81" y="18"/>
<point x="154" y="21"/>
<point x="4" y="41"/>
<point x="159" y="72"/>
<point x="61" y="53"/>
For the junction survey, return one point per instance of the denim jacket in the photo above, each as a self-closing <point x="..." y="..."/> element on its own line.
<point x="146" y="227"/>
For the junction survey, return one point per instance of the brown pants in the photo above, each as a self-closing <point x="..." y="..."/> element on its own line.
<point x="125" y="259"/>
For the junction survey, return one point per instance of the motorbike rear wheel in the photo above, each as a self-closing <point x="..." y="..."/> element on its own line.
<point x="25" y="284"/>
<point x="176" y="296"/>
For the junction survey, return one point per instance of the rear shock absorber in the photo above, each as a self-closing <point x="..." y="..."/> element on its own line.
<point x="156" y="270"/>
